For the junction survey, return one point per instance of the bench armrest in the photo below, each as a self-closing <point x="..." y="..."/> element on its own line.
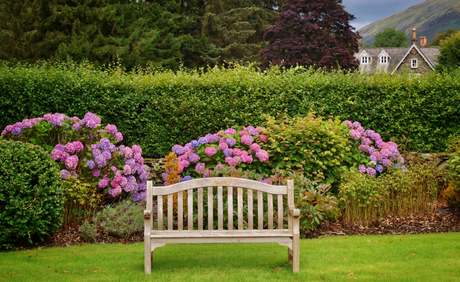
<point x="147" y="214"/>
<point x="293" y="211"/>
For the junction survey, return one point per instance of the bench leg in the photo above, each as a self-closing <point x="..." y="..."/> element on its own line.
<point x="295" y="253"/>
<point x="147" y="256"/>
<point x="289" y="255"/>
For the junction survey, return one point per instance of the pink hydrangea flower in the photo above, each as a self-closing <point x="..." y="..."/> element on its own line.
<point x="255" y="147"/>
<point x="200" y="167"/>
<point x="71" y="162"/>
<point x="262" y="155"/>
<point x="210" y="151"/>
<point x="119" y="136"/>
<point x="96" y="172"/>
<point x="230" y="161"/>
<point x="247" y="140"/>
<point x="243" y="133"/>
<point x="263" y="138"/>
<point x="223" y="146"/>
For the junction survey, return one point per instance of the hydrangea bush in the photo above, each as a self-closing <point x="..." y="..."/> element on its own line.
<point x="381" y="154"/>
<point x="214" y="154"/>
<point x="85" y="150"/>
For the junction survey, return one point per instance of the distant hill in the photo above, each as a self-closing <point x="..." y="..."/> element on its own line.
<point x="429" y="18"/>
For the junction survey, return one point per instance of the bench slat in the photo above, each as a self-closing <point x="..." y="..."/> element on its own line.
<point x="210" y="208"/>
<point x="260" y="210"/>
<point x="240" y="208"/>
<point x="280" y="212"/>
<point x="180" y="211"/>
<point x="160" y="212"/>
<point x="230" y="207"/>
<point x="270" y="210"/>
<point x="170" y="212"/>
<point x="250" y="210"/>
<point x="220" y="209"/>
<point x="200" y="208"/>
<point x="190" y="209"/>
<point x="221" y="233"/>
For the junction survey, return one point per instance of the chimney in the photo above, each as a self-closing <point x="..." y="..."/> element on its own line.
<point x="423" y="41"/>
<point x="414" y="37"/>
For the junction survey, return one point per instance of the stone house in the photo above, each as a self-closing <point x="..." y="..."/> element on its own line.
<point x="418" y="58"/>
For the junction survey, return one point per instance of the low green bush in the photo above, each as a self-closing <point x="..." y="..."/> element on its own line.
<point x="121" y="219"/>
<point x="31" y="194"/>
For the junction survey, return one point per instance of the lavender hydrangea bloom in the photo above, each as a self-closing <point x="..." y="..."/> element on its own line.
<point x="100" y="160"/>
<point x="194" y="143"/>
<point x="179" y="150"/>
<point x="119" y="136"/>
<point x="230" y="131"/>
<point x="230" y="141"/>
<point x="210" y="151"/>
<point x="69" y="148"/>
<point x="127" y="170"/>
<point x="128" y="152"/>
<point x="362" y="169"/>
<point x="16" y="130"/>
<point x="96" y="172"/>
<point x="56" y="154"/>
<point x="64" y="156"/>
<point x="138" y="158"/>
<point x="202" y="141"/>
<point x="103" y="182"/>
<point x="112" y="148"/>
<point x="78" y="146"/>
<point x="60" y="147"/>
<point x="26" y="123"/>
<point x="107" y="155"/>
<point x="379" y="168"/>
<point x="91" y="164"/>
<point x="193" y="158"/>
<point x="200" y="167"/>
<point x="370" y="171"/>
<point x="112" y="129"/>
<point x="65" y="174"/>
<point x="77" y="126"/>
<point x="130" y="162"/>
<point x="386" y="162"/>
<point x="228" y="152"/>
<point x="136" y="149"/>
<point x="187" y="178"/>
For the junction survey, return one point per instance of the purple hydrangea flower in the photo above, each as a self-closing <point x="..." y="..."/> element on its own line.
<point x="386" y="162"/>
<point x="136" y="149"/>
<point x="228" y="152"/>
<point x="91" y="164"/>
<point x="110" y="128"/>
<point x="179" y="150"/>
<point x="202" y="141"/>
<point x="16" y="130"/>
<point x="77" y="126"/>
<point x="56" y="154"/>
<point x="26" y="123"/>
<point x="200" y="167"/>
<point x="119" y="136"/>
<point x="64" y="156"/>
<point x="71" y="162"/>
<point x="100" y="160"/>
<point x="107" y="155"/>
<point x="194" y="143"/>
<point x="78" y="146"/>
<point x="65" y="174"/>
<point x="370" y="171"/>
<point x="230" y="131"/>
<point x="379" y="168"/>
<point x="96" y="172"/>
<point x="187" y="178"/>
<point x="69" y="148"/>
<point x="193" y="158"/>
<point x="230" y="141"/>
<point x="128" y="152"/>
<point x="362" y="169"/>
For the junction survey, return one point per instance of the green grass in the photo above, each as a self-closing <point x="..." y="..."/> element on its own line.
<point x="428" y="257"/>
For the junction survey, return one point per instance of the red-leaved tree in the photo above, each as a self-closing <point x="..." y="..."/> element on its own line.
<point x="311" y="33"/>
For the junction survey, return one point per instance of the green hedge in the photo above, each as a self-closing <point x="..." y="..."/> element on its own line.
<point x="159" y="109"/>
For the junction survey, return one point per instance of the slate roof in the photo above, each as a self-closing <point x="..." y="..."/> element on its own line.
<point x="397" y="54"/>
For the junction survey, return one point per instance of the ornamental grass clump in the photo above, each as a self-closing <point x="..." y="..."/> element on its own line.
<point x="211" y="155"/>
<point x="92" y="166"/>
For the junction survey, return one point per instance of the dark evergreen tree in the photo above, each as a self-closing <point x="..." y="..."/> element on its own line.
<point x="311" y="33"/>
<point x="235" y="29"/>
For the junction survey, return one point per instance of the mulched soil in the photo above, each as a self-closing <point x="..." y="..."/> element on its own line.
<point x="443" y="220"/>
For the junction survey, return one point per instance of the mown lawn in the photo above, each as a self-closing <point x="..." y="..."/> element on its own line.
<point x="427" y="257"/>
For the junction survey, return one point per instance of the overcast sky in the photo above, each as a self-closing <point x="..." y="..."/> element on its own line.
<point x="369" y="11"/>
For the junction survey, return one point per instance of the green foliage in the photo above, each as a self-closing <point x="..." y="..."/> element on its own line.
<point x="449" y="58"/>
<point x="442" y="36"/>
<point x="452" y="193"/>
<point x="88" y="231"/>
<point x="315" y="203"/>
<point x="31" y="196"/>
<point x="122" y="219"/>
<point x="158" y="109"/>
<point x="320" y="149"/>
<point x="402" y="193"/>
<point x="390" y="37"/>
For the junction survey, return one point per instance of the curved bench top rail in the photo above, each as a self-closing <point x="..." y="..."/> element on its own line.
<point x="220" y="181"/>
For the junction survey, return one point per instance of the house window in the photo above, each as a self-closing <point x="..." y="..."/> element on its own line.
<point x="364" y="60"/>
<point x="384" y="60"/>
<point x="414" y="63"/>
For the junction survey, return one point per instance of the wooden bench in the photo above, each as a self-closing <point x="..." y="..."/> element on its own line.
<point x="246" y="203"/>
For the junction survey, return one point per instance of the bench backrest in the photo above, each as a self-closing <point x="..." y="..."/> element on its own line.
<point x="218" y="195"/>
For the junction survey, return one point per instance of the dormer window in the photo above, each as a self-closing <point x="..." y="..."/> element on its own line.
<point x="414" y="63"/>
<point x="383" y="60"/>
<point x="364" y="60"/>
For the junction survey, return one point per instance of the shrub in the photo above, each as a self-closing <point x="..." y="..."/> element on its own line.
<point x="31" y="196"/>
<point x="88" y="231"/>
<point x="452" y="192"/>
<point x="122" y="219"/>
<point x="88" y="157"/>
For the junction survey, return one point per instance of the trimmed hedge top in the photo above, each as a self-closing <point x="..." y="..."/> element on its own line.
<point x="159" y="109"/>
